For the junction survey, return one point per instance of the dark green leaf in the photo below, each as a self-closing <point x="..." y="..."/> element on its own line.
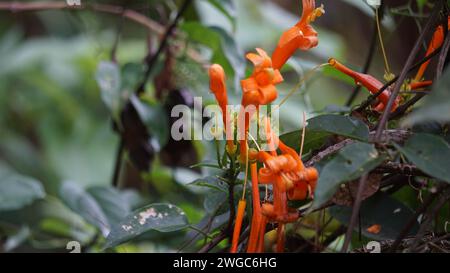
<point x="321" y="127"/>
<point x="81" y="202"/>
<point x="313" y="140"/>
<point x="380" y="209"/>
<point x="160" y="217"/>
<point x="340" y="125"/>
<point x="429" y="153"/>
<point x="350" y="163"/>
<point x="17" y="191"/>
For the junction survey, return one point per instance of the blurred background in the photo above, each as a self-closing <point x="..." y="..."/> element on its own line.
<point x="56" y="124"/>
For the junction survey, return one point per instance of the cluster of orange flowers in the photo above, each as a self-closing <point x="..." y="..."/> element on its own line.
<point x="285" y="171"/>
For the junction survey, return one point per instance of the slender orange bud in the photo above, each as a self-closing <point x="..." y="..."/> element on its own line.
<point x="218" y="87"/>
<point x="262" y="232"/>
<point x="256" y="217"/>
<point x="419" y="85"/>
<point x="238" y="225"/>
<point x="369" y="82"/>
<point x="436" y="41"/>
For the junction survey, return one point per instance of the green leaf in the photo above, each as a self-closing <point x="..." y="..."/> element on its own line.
<point x="429" y="153"/>
<point x="115" y="206"/>
<point x="155" y="118"/>
<point x="50" y="217"/>
<point x="159" y="217"/>
<point x="211" y="182"/>
<point x="380" y="209"/>
<point x="216" y="196"/>
<point x="227" y="8"/>
<point x="436" y="105"/>
<point x="17" y="191"/>
<point x="321" y="127"/>
<point x="214" y="202"/>
<point x="109" y="81"/>
<point x="81" y="202"/>
<point x="340" y="125"/>
<point x="313" y="140"/>
<point x="224" y="49"/>
<point x="131" y="74"/>
<point x="350" y="163"/>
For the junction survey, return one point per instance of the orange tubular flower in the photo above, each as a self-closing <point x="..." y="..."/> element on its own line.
<point x="218" y="87"/>
<point x="258" y="89"/>
<point x="301" y="36"/>
<point x="419" y="85"/>
<point x="369" y="82"/>
<point x="289" y="177"/>
<point x="436" y="41"/>
<point x="237" y="225"/>
<point x="256" y="217"/>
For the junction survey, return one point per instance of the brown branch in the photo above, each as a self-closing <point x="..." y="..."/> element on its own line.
<point x="443" y="56"/>
<point x="151" y="59"/>
<point x="105" y="8"/>
<point x="399" y="168"/>
<point x="398" y="136"/>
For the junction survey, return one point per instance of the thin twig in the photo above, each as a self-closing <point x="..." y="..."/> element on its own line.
<point x="442" y="199"/>
<point x="443" y="57"/>
<point x="214" y="242"/>
<point x="412" y="55"/>
<point x="355" y="212"/>
<point x="401" y="110"/>
<point x="413" y="220"/>
<point x="151" y="59"/>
